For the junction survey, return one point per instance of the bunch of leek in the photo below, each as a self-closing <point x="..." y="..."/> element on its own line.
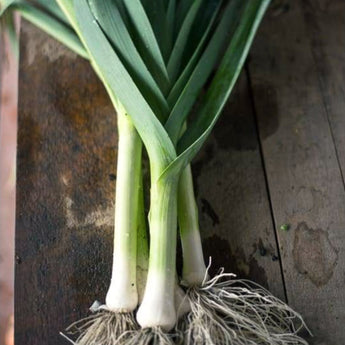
<point x="156" y="60"/>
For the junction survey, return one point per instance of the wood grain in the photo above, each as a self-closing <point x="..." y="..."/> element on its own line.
<point x="304" y="177"/>
<point x="325" y="25"/>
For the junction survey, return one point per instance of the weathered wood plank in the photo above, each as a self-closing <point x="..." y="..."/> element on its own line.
<point x="325" y="27"/>
<point x="66" y="164"/>
<point x="236" y="221"/>
<point x="304" y="177"/>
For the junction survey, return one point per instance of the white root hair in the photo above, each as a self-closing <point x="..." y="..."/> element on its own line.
<point x="238" y="312"/>
<point x="150" y="336"/>
<point x="102" y="328"/>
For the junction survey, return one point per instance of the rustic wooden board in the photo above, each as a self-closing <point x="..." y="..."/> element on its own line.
<point x="66" y="171"/>
<point x="325" y="27"/>
<point x="66" y="168"/>
<point x="304" y="177"/>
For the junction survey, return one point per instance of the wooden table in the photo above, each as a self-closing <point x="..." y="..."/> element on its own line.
<point x="276" y="157"/>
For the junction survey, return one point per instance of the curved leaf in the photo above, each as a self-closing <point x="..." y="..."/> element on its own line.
<point x="50" y="25"/>
<point x="52" y="7"/>
<point x="5" y="4"/>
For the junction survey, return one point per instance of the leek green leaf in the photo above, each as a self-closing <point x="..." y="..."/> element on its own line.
<point x="169" y="26"/>
<point x="154" y="10"/>
<point x="182" y="80"/>
<point x="110" y="20"/>
<point x="202" y="23"/>
<point x="203" y="69"/>
<point x="52" y="7"/>
<point x="150" y="51"/>
<point x="67" y="8"/>
<point x="181" y="41"/>
<point x="220" y="88"/>
<point x="49" y="24"/>
<point x="182" y="9"/>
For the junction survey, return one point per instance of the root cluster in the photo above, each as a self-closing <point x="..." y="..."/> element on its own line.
<point x="223" y="311"/>
<point x="150" y="336"/>
<point x="239" y="312"/>
<point x="102" y="328"/>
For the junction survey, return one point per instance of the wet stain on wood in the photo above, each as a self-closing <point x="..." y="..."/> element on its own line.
<point x="269" y="120"/>
<point x="208" y="209"/>
<point x="233" y="261"/>
<point x="314" y="255"/>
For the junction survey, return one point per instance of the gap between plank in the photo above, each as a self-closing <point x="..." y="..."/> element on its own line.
<point x="262" y="158"/>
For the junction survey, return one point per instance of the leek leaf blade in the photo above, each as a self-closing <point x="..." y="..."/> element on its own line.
<point x="175" y="58"/>
<point x="49" y="24"/>
<point x="154" y="10"/>
<point x="151" y="53"/>
<point x="220" y="88"/>
<point x="52" y="7"/>
<point x="110" y="20"/>
<point x="191" y="89"/>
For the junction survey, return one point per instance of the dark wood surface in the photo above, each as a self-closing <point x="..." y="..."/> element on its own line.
<point x="301" y="160"/>
<point x="275" y="157"/>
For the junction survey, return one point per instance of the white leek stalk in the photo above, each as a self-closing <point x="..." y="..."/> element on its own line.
<point x="158" y="306"/>
<point x="122" y="295"/>
<point x="194" y="269"/>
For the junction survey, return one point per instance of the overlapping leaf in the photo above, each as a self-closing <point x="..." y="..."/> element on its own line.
<point x="190" y="89"/>
<point x="241" y="32"/>
<point x="221" y="86"/>
<point x="110" y="20"/>
<point x="154" y="58"/>
<point x="52" y="7"/>
<point x="150" y="50"/>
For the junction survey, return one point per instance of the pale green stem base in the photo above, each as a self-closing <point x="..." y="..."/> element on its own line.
<point x="142" y="244"/>
<point x="158" y="306"/>
<point x="194" y="269"/>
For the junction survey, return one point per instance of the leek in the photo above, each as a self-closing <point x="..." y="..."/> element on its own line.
<point x="154" y="74"/>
